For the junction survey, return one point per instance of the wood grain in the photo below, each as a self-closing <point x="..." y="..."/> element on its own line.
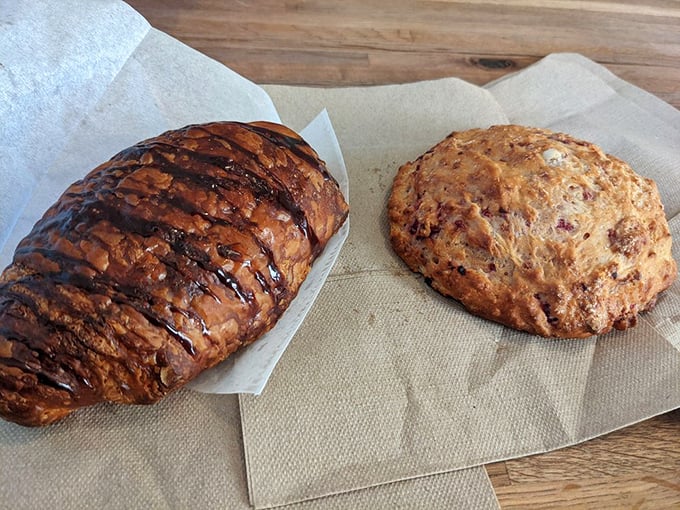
<point x="637" y="467"/>
<point x="321" y="42"/>
<point x="359" y="42"/>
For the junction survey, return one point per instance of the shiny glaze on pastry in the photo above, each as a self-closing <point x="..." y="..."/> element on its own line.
<point x="159" y="264"/>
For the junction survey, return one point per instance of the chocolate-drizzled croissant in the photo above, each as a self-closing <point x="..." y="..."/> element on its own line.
<point x="159" y="264"/>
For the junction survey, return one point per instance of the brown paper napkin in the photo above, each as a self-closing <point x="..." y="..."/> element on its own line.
<point x="185" y="452"/>
<point x="387" y="380"/>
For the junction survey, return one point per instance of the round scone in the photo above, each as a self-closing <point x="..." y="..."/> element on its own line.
<point x="533" y="229"/>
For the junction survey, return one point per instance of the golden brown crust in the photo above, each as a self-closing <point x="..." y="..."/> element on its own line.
<point x="159" y="264"/>
<point x="536" y="230"/>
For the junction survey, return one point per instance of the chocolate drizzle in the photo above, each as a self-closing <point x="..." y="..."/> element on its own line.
<point x="294" y="145"/>
<point x="273" y="187"/>
<point x="182" y="205"/>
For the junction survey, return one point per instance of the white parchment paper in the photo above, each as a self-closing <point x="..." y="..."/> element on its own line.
<point x="75" y="90"/>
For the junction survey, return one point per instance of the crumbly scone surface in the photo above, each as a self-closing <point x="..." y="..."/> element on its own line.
<point x="158" y="264"/>
<point x="533" y="229"/>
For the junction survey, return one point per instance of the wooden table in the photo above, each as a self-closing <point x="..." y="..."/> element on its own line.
<point x="358" y="42"/>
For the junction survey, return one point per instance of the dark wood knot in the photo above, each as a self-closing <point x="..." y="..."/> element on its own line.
<point x="494" y="63"/>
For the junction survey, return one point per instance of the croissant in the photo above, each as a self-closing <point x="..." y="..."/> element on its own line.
<point x="159" y="264"/>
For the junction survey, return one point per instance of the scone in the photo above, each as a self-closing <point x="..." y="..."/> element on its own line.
<point x="533" y="229"/>
<point x="159" y="264"/>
